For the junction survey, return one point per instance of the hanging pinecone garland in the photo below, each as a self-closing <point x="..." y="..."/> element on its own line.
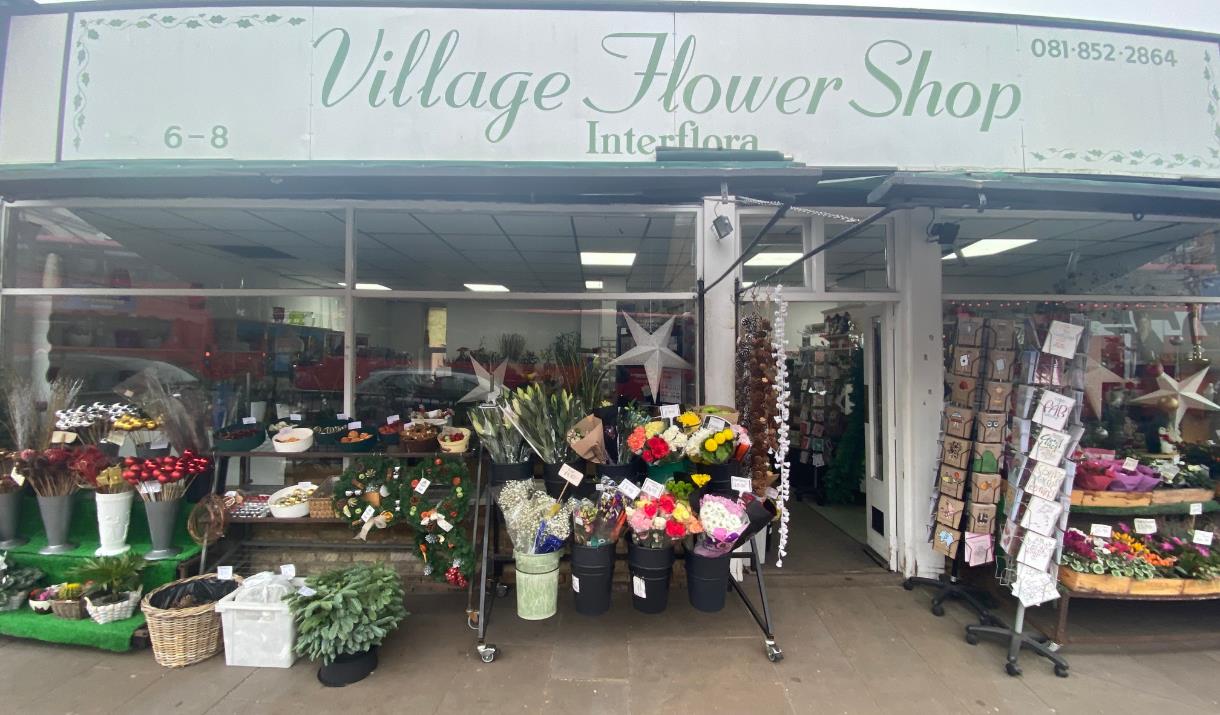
<point x="756" y="376"/>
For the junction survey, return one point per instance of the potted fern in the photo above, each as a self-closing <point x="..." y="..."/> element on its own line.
<point x="114" y="586"/>
<point x="343" y="616"/>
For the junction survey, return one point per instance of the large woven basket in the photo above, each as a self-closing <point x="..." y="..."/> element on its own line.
<point x="183" y="636"/>
<point x="114" y="611"/>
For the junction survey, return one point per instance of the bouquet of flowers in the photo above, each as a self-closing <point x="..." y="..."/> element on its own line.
<point x="658" y="523"/>
<point x="93" y="467"/>
<point x="706" y="446"/>
<point x="657" y="444"/>
<point x="723" y="521"/>
<point x="503" y="442"/>
<point x="49" y="471"/>
<point x="544" y="418"/>
<point x="536" y="522"/>
<point x="630" y="417"/>
<point x="601" y="522"/>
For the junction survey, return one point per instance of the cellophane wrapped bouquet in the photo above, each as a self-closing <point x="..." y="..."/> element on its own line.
<point x="708" y="446"/>
<point x="536" y="522"/>
<point x="601" y="521"/>
<point x="657" y="523"/>
<point x="723" y="521"/>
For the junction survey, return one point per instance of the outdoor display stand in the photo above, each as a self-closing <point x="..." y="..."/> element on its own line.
<point x="491" y="569"/>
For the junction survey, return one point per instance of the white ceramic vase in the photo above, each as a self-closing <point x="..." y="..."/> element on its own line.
<point x="113" y="517"/>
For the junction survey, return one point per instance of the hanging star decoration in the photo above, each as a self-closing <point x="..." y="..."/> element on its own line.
<point x="1096" y="377"/>
<point x="489" y="383"/>
<point x="652" y="352"/>
<point x="1178" y="397"/>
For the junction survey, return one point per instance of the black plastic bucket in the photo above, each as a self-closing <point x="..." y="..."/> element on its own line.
<point x="592" y="577"/>
<point x="707" y="581"/>
<point x="619" y="472"/>
<point x="348" y="668"/>
<point x="516" y="471"/>
<point x="555" y="483"/>
<point x="650" y="572"/>
<point x="721" y="477"/>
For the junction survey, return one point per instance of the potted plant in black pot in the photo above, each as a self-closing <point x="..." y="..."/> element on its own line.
<point x="504" y="444"/>
<point x="544" y="417"/>
<point x="343" y="616"/>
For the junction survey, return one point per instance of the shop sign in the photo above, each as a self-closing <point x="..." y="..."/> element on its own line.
<point x="418" y="84"/>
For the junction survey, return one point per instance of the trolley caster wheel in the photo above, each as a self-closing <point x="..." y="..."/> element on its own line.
<point x="972" y="639"/>
<point x="1061" y="671"/>
<point x="938" y="609"/>
<point x="501" y="590"/>
<point x="487" y="653"/>
<point x="774" y="654"/>
<point x="908" y="585"/>
<point x="1012" y="669"/>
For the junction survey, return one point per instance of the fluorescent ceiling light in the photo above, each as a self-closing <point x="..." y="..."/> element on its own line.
<point x="773" y="259"/>
<point x="367" y="286"/>
<point x="595" y="258"/>
<point x="486" y="287"/>
<point x="593" y="285"/>
<point x="990" y="247"/>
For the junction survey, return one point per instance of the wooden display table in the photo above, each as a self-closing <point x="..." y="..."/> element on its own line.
<point x="1108" y="499"/>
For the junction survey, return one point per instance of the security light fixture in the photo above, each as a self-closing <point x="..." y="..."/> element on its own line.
<point x="773" y="259"/>
<point x="722" y="226"/>
<point x="598" y="258"/>
<point x="593" y="285"/>
<point x="989" y="247"/>
<point x="486" y="287"/>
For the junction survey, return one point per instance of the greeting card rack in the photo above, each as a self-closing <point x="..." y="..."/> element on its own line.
<point x="491" y="570"/>
<point x="975" y="399"/>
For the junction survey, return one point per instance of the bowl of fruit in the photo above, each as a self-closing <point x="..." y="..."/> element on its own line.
<point x="293" y="439"/>
<point x="357" y="440"/>
<point x="419" y="437"/>
<point x="454" y="440"/>
<point x="291" y="502"/>
<point x="329" y="431"/>
<point x="239" y="437"/>
<point x="388" y="432"/>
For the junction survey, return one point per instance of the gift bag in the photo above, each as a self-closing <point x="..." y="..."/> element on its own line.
<point x="952" y="481"/>
<point x="955" y="452"/>
<point x="980" y="518"/>
<point x="949" y="511"/>
<point x="959" y="421"/>
<point x="985" y="488"/>
<point x="947" y="541"/>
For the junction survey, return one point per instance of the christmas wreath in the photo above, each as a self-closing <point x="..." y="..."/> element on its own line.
<point x="434" y="503"/>
<point x="369" y="482"/>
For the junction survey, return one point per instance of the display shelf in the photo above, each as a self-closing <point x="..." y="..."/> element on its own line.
<point x="1124" y="500"/>
<point x="327" y="454"/>
<point x="1178" y="509"/>
<point x="273" y="520"/>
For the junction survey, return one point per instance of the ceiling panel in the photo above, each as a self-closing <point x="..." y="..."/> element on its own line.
<point x="142" y="218"/>
<point x="445" y="224"/>
<point x="542" y="225"/>
<point x="610" y="226"/>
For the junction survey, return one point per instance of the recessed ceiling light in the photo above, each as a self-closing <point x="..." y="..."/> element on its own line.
<point x="367" y="286"/>
<point x="596" y="258"/>
<point x="593" y="285"/>
<point x="773" y="259"/>
<point x="990" y="247"/>
<point x="486" y="287"/>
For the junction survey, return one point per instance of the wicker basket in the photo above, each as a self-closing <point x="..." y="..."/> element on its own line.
<point x="73" y="610"/>
<point x="321" y="508"/>
<point x="183" y="636"/>
<point x="114" y="611"/>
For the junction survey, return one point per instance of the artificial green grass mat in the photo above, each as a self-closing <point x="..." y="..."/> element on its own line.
<point x="114" y="636"/>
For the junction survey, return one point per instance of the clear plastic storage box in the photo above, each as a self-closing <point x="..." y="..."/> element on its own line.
<point x="258" y="628"/>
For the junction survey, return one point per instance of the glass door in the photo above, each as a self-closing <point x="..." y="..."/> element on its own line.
<point x="878" y="363"/>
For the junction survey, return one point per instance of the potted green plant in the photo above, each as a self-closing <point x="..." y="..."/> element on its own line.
<point x="114" y="586"/>
<point x="343" y="616"/>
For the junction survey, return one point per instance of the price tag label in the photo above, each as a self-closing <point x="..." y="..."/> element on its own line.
<point x="392" y="419"/>
<point x="1202" y="538"/>
<point x="1130" y="463"/>
<point x="341" y="416"/>
<point x="1145" y="526"/>
<point x="119" y="438"/>
<point x="653" y="489"/>
<point x="638" y="588"/>
<point x="162" y="443"/>
<point x="128" y="394"/>
<point x="444" y="524"/>
<point x="422" y="485"/>
<point x="354" y="425"/>
<point x="288" y="570"/>
<point x="369" y="512"/>
<point x="1101" y="531"/>
<point x="571" y="474"/>
<point x="1169" y="471"/>
<point x="224" y="573"/>
<point x="295" y="418"/>
<point x="740" y="484"/>
<point x="576" y="584"/>
<point x="17" y="477"/>
<point x="669" y="411"/>
<point x="772" y="493"/>
<point x="247" y="420"/>
<point x="150" y="487"/>
<point x="306" y="591"/>
<point x="716" y="424"/>
<point x="628" y="489"/>
<point x="1196" y="508"/>
<point x="305" y="485"/>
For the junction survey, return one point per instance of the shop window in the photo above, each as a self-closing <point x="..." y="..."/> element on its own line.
<point x="246" y="353"/>
<point x="1082" y="256"/>
<point x="525" y="252"/>
<point x="783" y="244"/>
<point x="123" y="247"/>
<point x="860" y="263"/>
<point x="551" y="342"/>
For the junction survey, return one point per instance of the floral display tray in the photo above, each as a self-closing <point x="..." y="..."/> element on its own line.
<point x="1122" y="586"/>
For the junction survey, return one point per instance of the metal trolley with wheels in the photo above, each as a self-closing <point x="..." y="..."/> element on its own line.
<point x="490" y="587"/>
